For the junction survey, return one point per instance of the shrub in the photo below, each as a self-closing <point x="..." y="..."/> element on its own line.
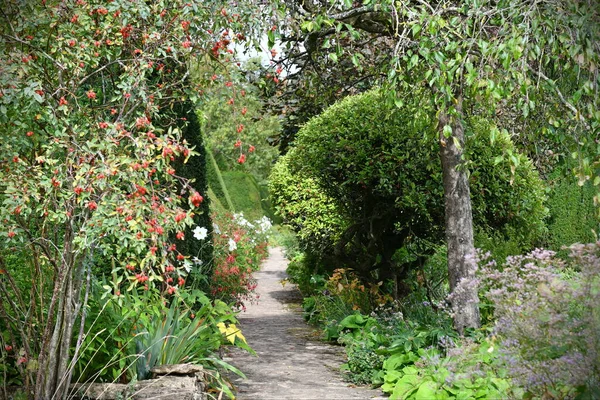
<point x="239" y="247"/>
<point x="547" y="316"/>
<point x="573" y="216"/>
<point x="369" y="166"/>
<point x="303" y="206"/>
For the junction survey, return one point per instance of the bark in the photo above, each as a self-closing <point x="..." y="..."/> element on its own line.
<point x="54" y="373"/>
<point x="459" y="225"/>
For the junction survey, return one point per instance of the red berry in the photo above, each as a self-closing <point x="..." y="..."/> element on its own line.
<point x="196" y="199"/>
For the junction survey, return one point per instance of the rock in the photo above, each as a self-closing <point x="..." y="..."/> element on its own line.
<point x="177" y="369"/>
<point x="164" y="387"/>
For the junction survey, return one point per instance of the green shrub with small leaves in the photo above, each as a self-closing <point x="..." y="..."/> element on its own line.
<point x="245" y="193"/>
<point x="368" y="164"/>
<point x="573" y="216"/>
<point x="304" y="207"/>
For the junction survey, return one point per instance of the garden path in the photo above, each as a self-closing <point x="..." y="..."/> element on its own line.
<point x="292" y="363"/>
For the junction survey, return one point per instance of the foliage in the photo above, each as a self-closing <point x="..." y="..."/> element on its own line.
<point x="308" y="273"/>
<point x="547" y="316"/>
<point x="497" y="59"/>
<point x="374" y="168"/>
<point x="304" y="207"/>
<point x="573" y="216"/>
<point x="248" y="133"/>
<point x="326" y="311"/>
<point x="140" y="332"/>
<point x="363" y="363"/>
<point x="467" y="373"/>
<point x="195" y="169"/>
<point x="90" y="157"/>
<point x="217" y="185"/>
<point x="346" y="285"/>
<point x="189" y="336"/>
<point x="245" y="193"/>
<point x="285" y="238"/>
<point x="386" y="341"/>
<point x="239" y="247"/>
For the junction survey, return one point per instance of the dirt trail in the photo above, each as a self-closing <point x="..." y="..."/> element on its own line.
<point x="291" y="363"/>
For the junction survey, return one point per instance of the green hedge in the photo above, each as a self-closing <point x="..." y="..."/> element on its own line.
<point x="195" y="168"/>
<point x="573" y="216"/>
<point x="382" y="170"/>
<point x="245" y="194"/>
<point x="304" y="206"/>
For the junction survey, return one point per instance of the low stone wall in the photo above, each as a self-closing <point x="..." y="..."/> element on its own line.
<point x="169" y="383"/>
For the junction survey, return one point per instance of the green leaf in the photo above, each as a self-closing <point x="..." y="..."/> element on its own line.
<point x="271" y="38"/>
<point x="413" y="61"/>
<point x="456" y="143"/>
<point x="416" y="28"/>
<point x="405" y="386"/>
<point x="426" y="391"/>
<point x="333" y="57"/>
<point x="447" y="131"/>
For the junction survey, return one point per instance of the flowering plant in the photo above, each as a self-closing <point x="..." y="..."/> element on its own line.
<point x="547" y="316"/>
<point x="238" y="248"/>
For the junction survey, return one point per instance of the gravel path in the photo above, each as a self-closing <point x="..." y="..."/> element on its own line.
<point x="291" y="363"/>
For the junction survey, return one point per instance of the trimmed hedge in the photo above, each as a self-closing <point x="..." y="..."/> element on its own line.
<point x="195" y="168"/>
<point x="573" y="216"/>
<point x="303" y="206"/>
<point x="245" y="194"/>
<point x="384" y="177"/>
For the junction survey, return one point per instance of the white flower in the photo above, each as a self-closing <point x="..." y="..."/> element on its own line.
<point x="200" y="233"/>
<point x="187" y="266"/>
<point x="216" y="229"/>
<point x="232" y="245"/>
<point x="197" y="261"/>
<point x="264" y="224"/>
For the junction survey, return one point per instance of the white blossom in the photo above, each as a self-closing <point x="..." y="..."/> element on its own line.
<point x="200" y="233"/>
<point x="187" y="266"/>
<point x="216" y="229"/>
<point x="232" y="245"/>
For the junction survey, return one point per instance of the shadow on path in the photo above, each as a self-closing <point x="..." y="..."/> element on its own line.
<point x="289" y="365"/>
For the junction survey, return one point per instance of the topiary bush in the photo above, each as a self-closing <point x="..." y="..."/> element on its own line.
<point x="244" y="192"/>
<point x="303" y="205"/>
<point x="379" y="173"/>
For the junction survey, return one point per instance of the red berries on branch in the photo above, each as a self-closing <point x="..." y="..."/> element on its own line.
<point x="196" y="199"/>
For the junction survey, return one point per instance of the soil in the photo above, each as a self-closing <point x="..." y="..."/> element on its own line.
<point x="291" y="362"/>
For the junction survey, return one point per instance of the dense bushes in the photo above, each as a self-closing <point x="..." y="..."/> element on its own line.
<point x="303" y="206"/>
<point x="368" y="165"/>
<point x="573" y="217"/>
<point x="244" y="193"/>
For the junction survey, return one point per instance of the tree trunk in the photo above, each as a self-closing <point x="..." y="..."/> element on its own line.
<point x="54" y="365"/>
<point x="459" y="225"/>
